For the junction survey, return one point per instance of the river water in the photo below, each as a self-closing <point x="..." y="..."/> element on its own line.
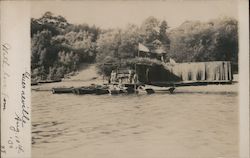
<point x="180" y="125"/>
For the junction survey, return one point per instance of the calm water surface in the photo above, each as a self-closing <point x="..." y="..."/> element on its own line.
<point x="135" y="126"/>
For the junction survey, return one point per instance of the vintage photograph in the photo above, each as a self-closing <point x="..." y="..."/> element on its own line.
<point x="134" y="79"/>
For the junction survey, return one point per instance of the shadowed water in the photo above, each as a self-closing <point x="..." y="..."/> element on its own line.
<point x="135" y="126"/>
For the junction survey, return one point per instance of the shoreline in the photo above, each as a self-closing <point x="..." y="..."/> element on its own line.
<point x="228" y="88"/>
<point x="74" y="83"/>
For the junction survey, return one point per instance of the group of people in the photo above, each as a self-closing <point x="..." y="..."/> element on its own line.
<point x="130" y="77"/>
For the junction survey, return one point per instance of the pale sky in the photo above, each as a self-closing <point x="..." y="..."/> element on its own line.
<point x="112" y="14"/>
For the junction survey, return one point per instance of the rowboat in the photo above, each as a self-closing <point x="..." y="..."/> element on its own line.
<point x="100" y="91"/>
<point x="62" y="90"/>
<point x="93" y="89"/>
<point x="155" y="89"/>
<point x="84" y="90"/>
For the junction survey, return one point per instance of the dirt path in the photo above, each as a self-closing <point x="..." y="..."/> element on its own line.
<point x="86" y="72"/>
<point x="86" y="75"/>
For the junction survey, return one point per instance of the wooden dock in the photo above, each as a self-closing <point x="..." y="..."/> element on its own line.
<point x="190" y="83"/>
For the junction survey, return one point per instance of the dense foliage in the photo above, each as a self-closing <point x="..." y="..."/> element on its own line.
<point x="216" y="40"/>
<point x="58" y="47"/>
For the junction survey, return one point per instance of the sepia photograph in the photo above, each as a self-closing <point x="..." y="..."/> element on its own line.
<point x="135" y="79"/>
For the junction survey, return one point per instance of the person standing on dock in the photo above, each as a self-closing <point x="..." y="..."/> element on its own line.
<point x="135" y="78"/>
<point x="130" y="76"/>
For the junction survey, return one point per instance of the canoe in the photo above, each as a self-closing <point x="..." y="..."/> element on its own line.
<point x="61" y="90"/>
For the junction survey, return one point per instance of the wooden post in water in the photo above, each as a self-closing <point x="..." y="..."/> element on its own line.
<point x="230" y="71"/>
<point x="135" y="76"/>
<point x="134" y="79"/>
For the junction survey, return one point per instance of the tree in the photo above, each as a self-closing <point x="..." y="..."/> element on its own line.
<point x="130" y="38"/>
<point x="150" y="29"/>
<point x="163" y="34"/>
<point x="40" y="48"/>
<point x="216" y="40"/>
<point x="163" y="28"/>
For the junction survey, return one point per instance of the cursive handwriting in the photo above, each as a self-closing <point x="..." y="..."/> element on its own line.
<point x="25" y="76"/>
<point x="4" y="103"/>
<point x="25" y="113"/>
<point x="14" y="141"/>
<point x="5" y="74"/>
<point x="5" y="49"/>
<point x="18" y="120"/>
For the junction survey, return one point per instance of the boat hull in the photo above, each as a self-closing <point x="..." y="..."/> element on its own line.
<point x="81" y="91"/>
<point x="152" y="90"/>
<point x="101" y="91"/>
<point x="61" y="90"/>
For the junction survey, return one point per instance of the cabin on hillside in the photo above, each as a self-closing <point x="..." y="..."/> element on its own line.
<point x="154" y="53"/>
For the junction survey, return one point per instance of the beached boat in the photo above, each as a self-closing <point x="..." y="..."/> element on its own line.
<point x="49" y="81"/>
<point x="33" y="83"/>
<point x="61" y="90"/>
